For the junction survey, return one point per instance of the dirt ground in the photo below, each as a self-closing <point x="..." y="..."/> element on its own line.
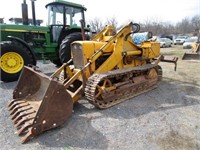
<point x="166" y="118"/>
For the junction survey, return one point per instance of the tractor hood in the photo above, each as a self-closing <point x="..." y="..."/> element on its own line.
<point x="23" y="28"/>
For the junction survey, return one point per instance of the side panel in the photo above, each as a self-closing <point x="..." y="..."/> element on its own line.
<point x="150" y="49"/>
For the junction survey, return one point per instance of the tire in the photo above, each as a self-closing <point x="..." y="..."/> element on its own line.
<point x="65" y="46"/>
<point x="57" y="62"/>
<point x="13" y="57"/>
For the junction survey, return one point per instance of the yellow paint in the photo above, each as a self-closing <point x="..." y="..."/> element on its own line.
<point x="150" y="49"/>
<point x="117" y="48"/>
<point x="105" y="53"/>
<point x="11" y="62"/>
<point x="104" y="35"/>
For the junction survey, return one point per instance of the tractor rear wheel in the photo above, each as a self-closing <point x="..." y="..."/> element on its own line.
<point x="57" y="62"/>
<point x="65" y="50"/>
<point x="12" y="59"/>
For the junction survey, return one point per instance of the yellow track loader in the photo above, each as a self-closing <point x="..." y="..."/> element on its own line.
<point x="107" y="70"/>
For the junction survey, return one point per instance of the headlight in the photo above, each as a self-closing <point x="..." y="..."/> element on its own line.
<point x="77" y="54"/>
<point x="76" y="46"/>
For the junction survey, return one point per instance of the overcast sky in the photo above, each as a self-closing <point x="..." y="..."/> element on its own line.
<point x="137" y="10"/>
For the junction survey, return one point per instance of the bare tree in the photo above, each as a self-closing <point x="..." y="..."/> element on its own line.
<point x="184" y="26"/>
<point x="157" y="27"/>
<point x="96" y="25"/>
<point x="154" y="25"/>
<point x="168" y="28"/>
<point x="112" y="21"/>
<point x="195" y="21"/>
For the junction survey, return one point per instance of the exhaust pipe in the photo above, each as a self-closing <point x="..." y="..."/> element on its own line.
<point x="24" y="13"/>
<point x="33" y="12"/>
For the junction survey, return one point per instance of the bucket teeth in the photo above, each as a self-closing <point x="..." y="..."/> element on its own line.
<point x="25" y="127"/>
<point x="14" y="103"/>
<point x="23" y="110"/>
<point x="24" y="120"/>
<point x="28" y="136"/>
<point x="22" y="115"/>
<point x="17" y="107"/>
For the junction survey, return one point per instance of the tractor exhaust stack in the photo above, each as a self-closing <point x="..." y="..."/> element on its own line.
<point x="33" y="12"/>
<point x="24" y="13"/>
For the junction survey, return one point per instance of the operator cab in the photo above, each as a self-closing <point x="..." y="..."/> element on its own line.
<point x="63" y="16"/>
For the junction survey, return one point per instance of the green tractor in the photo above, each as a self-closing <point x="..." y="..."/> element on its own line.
<point x="25" y="44"/>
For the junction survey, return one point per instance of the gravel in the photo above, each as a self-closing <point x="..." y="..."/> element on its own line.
<point x="164" y="118"/>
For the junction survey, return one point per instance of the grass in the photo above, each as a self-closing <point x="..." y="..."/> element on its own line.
<point x="176" y="50"/>
<point x="187" y="71"/>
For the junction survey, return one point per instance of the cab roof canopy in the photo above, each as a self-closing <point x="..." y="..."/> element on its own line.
<point x="61" y="2"/>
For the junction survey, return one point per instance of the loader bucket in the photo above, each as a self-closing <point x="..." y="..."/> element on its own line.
<point x="191" y="56"/>
<point x="39" y="104"/>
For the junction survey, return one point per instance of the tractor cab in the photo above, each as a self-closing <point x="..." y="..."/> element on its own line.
<point x="64" y="18"/>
